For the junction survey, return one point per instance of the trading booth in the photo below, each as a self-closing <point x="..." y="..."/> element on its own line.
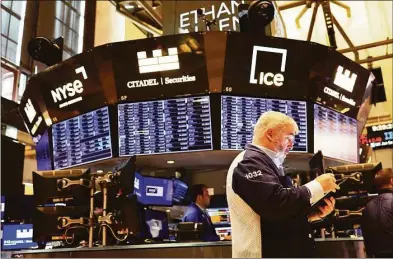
<point x="192" y="98"/>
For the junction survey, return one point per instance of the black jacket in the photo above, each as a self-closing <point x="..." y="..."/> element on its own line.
<point x="282" y="207"/>
<point x="377" y="225"/>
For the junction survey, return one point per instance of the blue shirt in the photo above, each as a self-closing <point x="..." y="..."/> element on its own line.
<point x="195" y="214"/>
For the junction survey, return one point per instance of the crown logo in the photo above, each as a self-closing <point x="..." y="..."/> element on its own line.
<point x="158" y="62"/>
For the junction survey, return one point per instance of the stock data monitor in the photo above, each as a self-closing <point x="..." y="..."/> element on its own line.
<point x="83" y="139"/>
<point x="335" y="134"/>
<point x="219" y="216"/>
<point x="240" y="114"/>
<point x="176" y="125"/>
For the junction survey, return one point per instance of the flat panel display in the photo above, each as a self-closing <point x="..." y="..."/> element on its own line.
<point x="167" y="126"/>
<point x="156" y="224"/>
<point x="43" y="153"/>
<point x="219" y="216"/>
<point x="153" y="190"/>
<point x="160" y="67"/>
<point x="335" y="134"/>
<point x="240" y="114"/>
<point x="74" y="86"/>
<point x="83" y="139"/>
<point x="179" y="191"/>
<point x="17" y="237"/>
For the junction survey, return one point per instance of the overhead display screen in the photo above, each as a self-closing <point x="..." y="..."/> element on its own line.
<point x="164" y="67"/>
<point x="83" y="139"/>
<point x="240" y="114"/>
<point x="74" y="86"/>
<point x="379" y="136"/>
<point x="43" y="154"/>
<point x="176" y="125"/>
<point x="335" y="134"/>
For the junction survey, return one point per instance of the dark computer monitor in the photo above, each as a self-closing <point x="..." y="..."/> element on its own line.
<point x="179" y="191"/>
<point x="127" y="214"/>
<point x="362" y="180"/>
<point x="47" y="223"/>
<point x="17" y="237"/>
<point x="48" y="189"/>
<point x="126" y="175"/>
<point x="316" y="165"/>
<point x="219" y="216"/>
<point x="153" y="190"/>
<point x="155" y="224"/>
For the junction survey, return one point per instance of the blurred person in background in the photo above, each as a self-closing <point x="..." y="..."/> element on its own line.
<point x="377" y="218"/>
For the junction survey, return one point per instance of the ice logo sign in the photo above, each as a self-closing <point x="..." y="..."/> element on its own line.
<point x="265" y="77"/>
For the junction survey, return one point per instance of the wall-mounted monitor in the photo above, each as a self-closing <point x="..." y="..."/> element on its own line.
<point x="166" y="126"/>
<point x="153" y="190"/>
<point x="240" y="114"/>
<point x="82" y="139"/>
<point x="335" y="134"/>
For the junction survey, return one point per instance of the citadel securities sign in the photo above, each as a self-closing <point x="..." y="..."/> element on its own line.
<point x="165" y="66"/>
<point x="159" y="63"/>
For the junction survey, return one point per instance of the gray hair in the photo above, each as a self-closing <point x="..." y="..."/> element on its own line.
<point x="272" y="120"/>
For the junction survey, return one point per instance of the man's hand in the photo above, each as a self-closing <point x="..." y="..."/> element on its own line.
<point x="328" y="182"/>
<point x="323" y="211"/>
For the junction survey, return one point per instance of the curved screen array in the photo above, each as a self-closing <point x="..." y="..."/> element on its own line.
<point x="167" y="126"/>
<point x="335" y="134"/>
<point x="184" y="125"/>
<point x="82" y="139"/>
<point x="240" y="114"/>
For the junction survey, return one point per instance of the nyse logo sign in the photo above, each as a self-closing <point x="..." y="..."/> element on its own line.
<point x="70" y="90"/>
<point x="344" y="80"/>
<point x="158" y="62"/>
<point x="155" y="191"/>
<point x="24" y="233"/>
<point x="267" y="78"/>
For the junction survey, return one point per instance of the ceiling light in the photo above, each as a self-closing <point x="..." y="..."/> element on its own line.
<point x="170" y="162"/>
<point x="129" y="6"/>
<point x="100" y="171"/>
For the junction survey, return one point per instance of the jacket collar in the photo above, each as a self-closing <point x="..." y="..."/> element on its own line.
<point x="385" y="191"/>
<point x="267" y="158"/>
